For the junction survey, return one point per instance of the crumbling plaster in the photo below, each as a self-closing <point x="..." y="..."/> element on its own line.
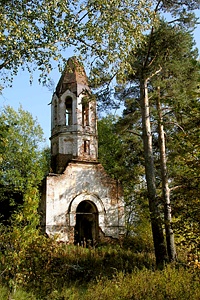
<point x="83" y="181"/>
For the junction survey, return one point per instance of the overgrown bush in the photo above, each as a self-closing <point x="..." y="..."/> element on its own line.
<point x="35" y="267"/>
<point x="171" y="283"/>
<point x="44" y="265"/>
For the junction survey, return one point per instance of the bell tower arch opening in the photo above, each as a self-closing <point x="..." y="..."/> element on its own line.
<point x="86" y="228"/>
<point x="68" y="111"/>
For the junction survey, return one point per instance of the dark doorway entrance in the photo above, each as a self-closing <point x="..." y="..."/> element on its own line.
<point x="86" y="229"/>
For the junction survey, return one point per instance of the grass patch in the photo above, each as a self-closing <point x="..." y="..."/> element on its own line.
<point x="170" y="283"/>
<point x="48" y="270"/>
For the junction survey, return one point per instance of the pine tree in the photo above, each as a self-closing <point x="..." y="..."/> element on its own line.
<point x="163" y="78"/>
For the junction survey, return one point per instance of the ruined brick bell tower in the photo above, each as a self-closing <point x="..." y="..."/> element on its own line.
<point x="73" y="131"/>
<point x="80" y="203"/>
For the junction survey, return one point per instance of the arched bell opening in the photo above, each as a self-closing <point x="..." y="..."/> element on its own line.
<point x="68" y="112"/>
<point x="86" y="228"/>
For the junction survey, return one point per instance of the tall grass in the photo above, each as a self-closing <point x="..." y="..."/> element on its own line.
<point x="48" y="270"/>
<point x="170" y="284"/>
<point x="147" y="284"/>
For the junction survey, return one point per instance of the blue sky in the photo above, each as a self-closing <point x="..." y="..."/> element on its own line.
<point x="35" y="98"/>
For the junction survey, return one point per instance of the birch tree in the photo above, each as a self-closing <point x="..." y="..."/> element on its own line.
<point x="37" y="34"/>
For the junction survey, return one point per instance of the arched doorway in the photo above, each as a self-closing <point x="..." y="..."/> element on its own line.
<point x="86" y="228"/>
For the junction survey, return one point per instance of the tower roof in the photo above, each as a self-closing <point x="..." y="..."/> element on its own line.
<point x="73" y="76"/>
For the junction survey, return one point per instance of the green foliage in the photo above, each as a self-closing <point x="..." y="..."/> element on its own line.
<point x="23" y="163"/>
<point x="168" y="284"/>
<point x="23" y="166"/>
<point x="21" y="158"/>
<point x="35" y="34"/>
<point x="103" y="71"/>
<point x="17" y="237"/>
<point x="110" y="146"/>
<point x="29" y="34"/>
<point x="20" y="294"/>
<point x="169" y="61"/>
<point x="185" y="172"/>
<point x="42" y="265"/>
<point x="120" y="152"/>
<point x="50" y="270"/>
<point x="179" y="84"/>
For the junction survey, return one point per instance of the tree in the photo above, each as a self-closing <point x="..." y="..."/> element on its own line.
<point x="165" y="182"/>
<point x="23" y="163"/>
<point x="120" y="152"/>
<point x="146" y="69"/>
<point x="146" y="63"/>
<point x="175" y="87"/>
<point x="116" y="145"/>
<point x="183" y="162"/>
<point x="118" y="42"/>
<point x="35" y="34"/>
<point x="163" y="60"/>
<point x="110" y="150"/>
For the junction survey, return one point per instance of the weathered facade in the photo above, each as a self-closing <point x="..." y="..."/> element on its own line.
<point x="80" y="201"/>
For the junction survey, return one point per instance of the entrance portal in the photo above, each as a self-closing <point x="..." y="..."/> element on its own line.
<point x="86" y="229"/>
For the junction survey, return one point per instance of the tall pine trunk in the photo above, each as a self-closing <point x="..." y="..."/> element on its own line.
<point x="156" y="224"/>
<point x="171" y="249"/>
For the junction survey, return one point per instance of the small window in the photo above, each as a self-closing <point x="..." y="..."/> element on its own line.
<point x="87" y="147"/>
<point x="55" y="113"/>
<point x="68" y="111"/>
<point x="85" y="114"/>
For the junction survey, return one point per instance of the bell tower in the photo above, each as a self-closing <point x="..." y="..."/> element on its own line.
<point x="80" y="201"/>
<point x="73" y="119"/>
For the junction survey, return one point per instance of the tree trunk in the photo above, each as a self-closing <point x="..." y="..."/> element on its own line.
<point x="156" y="224"/>
<point x="171" y="249"/>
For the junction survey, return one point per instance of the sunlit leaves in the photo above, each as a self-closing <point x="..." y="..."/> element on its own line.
<point x="22" y="167"/>
<point x="34" y="33"/>
<point x="37" y="34"/>
<point x="22" y="162"/>
<point x="20" y="157"/>
<point x="29" y="34"/>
